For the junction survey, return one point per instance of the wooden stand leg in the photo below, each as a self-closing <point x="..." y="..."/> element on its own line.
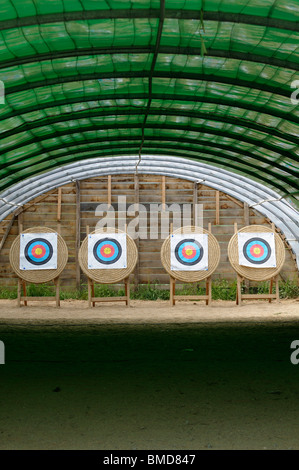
<point x="127" y="291"/>
<point x="89" y="292"/>
<point x="25" y="293"/>
<point x="239" y="290"/>
<point x="277" y="289"/>
<point x="93" y="293"/>
<point x="19" y="292"/>
<point x="172" y="291"/>
<point x="270" y="289"/>
<point x="209" y="290"/>
<point x="57" y="296"/>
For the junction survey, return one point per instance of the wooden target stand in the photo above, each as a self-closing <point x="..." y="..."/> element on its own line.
<point x="256" y="274"/>
<point x="38" y="276"/>
<point x="108" y="276"/>
<point x="191" y="276"/>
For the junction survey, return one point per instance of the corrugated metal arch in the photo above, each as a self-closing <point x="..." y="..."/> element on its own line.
<point x="265" y="200"/>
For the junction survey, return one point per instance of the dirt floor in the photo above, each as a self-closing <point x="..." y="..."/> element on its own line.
<point x="149" y="377"/>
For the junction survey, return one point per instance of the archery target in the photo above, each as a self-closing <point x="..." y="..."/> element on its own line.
<point x="257" y="250"/>
<point x="107" y="251"/>
<point x="38" y="251"/>
<point x="189" y="252"/>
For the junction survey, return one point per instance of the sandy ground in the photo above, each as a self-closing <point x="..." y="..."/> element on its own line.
<point x="149" y="377"/>
<point x="148" y="312"/>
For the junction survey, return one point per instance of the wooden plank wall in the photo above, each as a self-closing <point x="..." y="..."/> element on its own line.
<point x="76" y="207"/>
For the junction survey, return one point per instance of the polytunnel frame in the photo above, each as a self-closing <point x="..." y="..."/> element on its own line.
<point x="269" y="155"/>
<point x="265" y="200"/>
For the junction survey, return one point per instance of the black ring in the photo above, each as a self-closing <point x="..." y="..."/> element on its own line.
<point x="253" y="260"/>
<point x="38" y="240"/>
<point x="186" y="262"/>
<point x="107" y="240"/>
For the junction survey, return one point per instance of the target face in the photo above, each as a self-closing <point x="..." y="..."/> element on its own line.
<point x="106" y="252"/>
<point x="38" y="251"/>
<point x="257" y="250"/>
<point x="189" y="252"/>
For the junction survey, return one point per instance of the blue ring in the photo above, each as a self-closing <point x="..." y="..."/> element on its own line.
<point x="179" y="248"/>
<point x="38" y="261"/>
<point x="117" y="251"/>
<point x="253" y="241"/>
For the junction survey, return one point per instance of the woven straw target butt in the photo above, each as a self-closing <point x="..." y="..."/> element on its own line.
<point x="109" y="276"/>
<point x="192" y="276"/>
<point x="42" y="275"/>
<point x="256" y="274"/>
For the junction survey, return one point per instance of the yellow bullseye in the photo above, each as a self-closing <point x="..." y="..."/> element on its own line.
<point x="189" y="251"/>
<point x="257" y="251"/>
<point x="38" y="251"/>
<point x="107" y="251"/>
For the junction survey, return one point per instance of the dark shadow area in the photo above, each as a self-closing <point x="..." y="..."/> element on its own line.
<point x="199" y="386"/>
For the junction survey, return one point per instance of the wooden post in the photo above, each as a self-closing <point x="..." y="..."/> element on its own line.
<point x="21" y="222"/>
<point x="246" y="222"/>
<point x="246" y="214"/>
<point x="109" y="190"/>
<point x="163" y="195"/>
<point x="136" y="200"/>
<point x="195" y="199"/>
<point x="59" y="198"/>
<point x="217" y="221"/>
<point x="59" y="204"/>
<point x="78" y="235"/>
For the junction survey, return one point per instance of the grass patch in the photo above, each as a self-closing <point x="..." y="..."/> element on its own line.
<point x="221" y="290"/>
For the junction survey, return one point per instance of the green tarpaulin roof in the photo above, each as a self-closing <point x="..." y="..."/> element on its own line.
<point x="204" y="80"/>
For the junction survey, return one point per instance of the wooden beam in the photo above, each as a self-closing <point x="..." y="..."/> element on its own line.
<point x="239" y="203"/>
<point x="8" y="228"/>
<point x="34" y="201"/>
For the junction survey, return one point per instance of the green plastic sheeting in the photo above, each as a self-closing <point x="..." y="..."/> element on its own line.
<point x="205" y="80"/>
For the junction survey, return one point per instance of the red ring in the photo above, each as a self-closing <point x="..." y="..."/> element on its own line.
<point x="254" y="254"/>
<point x="33" y="253"/>
<point x="107" y="255"/>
